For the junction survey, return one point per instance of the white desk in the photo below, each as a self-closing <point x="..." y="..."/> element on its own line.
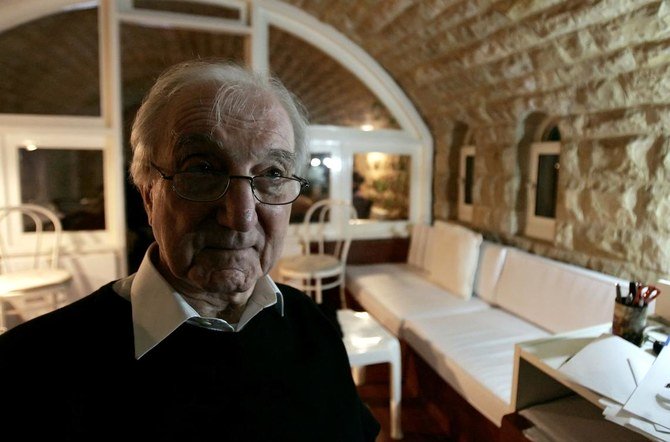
<point x="538" y="380"/>
<point x="536" y="375"/>
<point x="368" y="342"/>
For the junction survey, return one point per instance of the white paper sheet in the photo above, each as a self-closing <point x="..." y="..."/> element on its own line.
<point x="609" y="366"/>
<point x="651" y="399"/>
<point x="616" y="413"/>
<point x="572" y="419"/>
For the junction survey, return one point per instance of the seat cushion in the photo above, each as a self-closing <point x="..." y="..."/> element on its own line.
<point x="553" y="295"/>
<point x="309" y="266"/>
<point x="394" y="292"/>
<point x="491" y="260"/>
<point x="451" y="258"/>
<point x="15" y="283"/>
<point x="474" y="353"/>
<point x="417" y="245"/>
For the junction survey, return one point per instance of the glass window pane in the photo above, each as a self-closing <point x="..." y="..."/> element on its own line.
<point x="67" y="181"/>
<point x="318" y="174"/>
<point x="469" y="178"/>
<point x="383" y="179"/>
<point x="547" y="185"/>
<point x="331" y="94"/>
<point x="361" y="202"/>
<point x="189" y="7"/>
<point x="145" y="53"/>
<point x="50" y="65"/>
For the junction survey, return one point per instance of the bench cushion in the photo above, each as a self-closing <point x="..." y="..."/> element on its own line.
<point x="452" y="255"/>
<point x="417" y="245"/>
<point x="555" y="296"/>
<point x="474" y="353"/>
<point x="491" y="260"/>
<point x="394" y="292"/>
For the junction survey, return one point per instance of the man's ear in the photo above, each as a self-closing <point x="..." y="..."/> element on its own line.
<point x="147" y="198"/>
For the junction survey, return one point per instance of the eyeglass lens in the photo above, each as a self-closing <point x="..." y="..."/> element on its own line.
<point x="209" y="187"/>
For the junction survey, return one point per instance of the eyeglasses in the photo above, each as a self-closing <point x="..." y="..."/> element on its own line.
<point x="211" y="185"/>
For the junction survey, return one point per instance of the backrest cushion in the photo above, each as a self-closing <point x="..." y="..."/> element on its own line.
<point x="452" y="253"/>
<point x="491" y="260"/>
<point x="553" y="295"/>
<point x="417" y="245"/>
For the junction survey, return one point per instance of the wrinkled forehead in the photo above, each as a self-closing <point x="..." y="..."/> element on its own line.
<point x="237" y="105"/>
<point x="246" y="114"/>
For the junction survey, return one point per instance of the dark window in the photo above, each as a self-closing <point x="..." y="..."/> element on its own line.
<point x="552" y="134"/>
<point x="50" y="65"/>
<point x="547" y="182"/>
<point x="318" y="174"/>
<point x="67" y="181"/>
<point x="469" y="178"/>
<point x="185" y="7"/>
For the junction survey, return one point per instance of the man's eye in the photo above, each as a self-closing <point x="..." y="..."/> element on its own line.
<point x="198" y="168"/>
<point x="273" y="173"/>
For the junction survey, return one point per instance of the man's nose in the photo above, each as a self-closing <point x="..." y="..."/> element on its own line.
<point x="237" y="208"/>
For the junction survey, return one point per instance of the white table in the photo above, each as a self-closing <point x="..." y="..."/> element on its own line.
<point x="368" y="342"/>
<point x="538" y="379"/>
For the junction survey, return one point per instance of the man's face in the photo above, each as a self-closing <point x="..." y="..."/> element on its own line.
<point x="221" y="247"/>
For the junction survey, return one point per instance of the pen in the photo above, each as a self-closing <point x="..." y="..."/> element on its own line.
<point x="619" y="298"/>
<point x="631" y="293"/>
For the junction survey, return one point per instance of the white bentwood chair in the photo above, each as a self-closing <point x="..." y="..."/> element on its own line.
<point x="316" y="272"/>
<point x="31" y="281"/>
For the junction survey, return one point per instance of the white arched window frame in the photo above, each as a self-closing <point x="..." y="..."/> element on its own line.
<point x="253" y="21"/>
<point x="466" y="178"/>
<point x="413" y="139"/>
<point x="542" y="190"/>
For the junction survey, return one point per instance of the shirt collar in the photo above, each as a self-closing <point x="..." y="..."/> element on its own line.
<point x="158" y="309"/>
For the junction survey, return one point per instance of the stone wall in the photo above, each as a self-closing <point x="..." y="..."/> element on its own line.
<point x="599" y="67"/>
<point x="606" y="83"/>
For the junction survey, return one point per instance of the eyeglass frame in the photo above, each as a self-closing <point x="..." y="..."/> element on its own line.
<point x="304" y="184"/>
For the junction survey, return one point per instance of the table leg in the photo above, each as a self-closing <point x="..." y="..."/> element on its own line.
<point x="2" y="317"/>
<point x="396" y="392"/>
<point x="358" y="373"/>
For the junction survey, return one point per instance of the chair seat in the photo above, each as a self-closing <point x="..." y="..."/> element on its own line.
<point x="314" y="266"/>
<point x="14" y="283"/>
<point x="309" y="271"/>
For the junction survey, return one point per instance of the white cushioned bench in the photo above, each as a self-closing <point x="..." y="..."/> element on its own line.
<point x="395" y="292"/>
<point x="462" y="303"/>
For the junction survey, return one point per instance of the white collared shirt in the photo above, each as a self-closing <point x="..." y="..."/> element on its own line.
<point x="158" y="309"/>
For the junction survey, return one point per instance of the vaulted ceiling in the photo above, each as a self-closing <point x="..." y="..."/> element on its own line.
<point x="449" y="56"/>
<point x="50" y="66"/>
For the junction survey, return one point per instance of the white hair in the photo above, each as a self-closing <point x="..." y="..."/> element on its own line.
<point x="238" y="90"/>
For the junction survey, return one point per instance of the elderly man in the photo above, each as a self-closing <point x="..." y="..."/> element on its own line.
<point x="200" y="342"/>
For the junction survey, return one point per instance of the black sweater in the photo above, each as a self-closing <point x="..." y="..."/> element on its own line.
<point x="72" y="375"/>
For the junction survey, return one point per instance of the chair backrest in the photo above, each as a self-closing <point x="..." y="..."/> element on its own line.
<point x="315" y="225"/>
<point x="43" y="248"/>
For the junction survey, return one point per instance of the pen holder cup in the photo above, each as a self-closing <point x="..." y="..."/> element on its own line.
<point x="629" y="322"/>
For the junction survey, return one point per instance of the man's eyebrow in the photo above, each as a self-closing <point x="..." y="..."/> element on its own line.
<point x="190" y="139"/>
<point x="282" y="155"/>
<point x="205" y="139"/>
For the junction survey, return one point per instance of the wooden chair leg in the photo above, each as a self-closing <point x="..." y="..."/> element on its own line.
<point x="319" y="295"/>
<point x="343" y="297"/>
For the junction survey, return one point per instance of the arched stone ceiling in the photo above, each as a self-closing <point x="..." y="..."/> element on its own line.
<point x="486" y="61"/>
<point x="476" y="61"/>
<point x="49" y="66"/>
